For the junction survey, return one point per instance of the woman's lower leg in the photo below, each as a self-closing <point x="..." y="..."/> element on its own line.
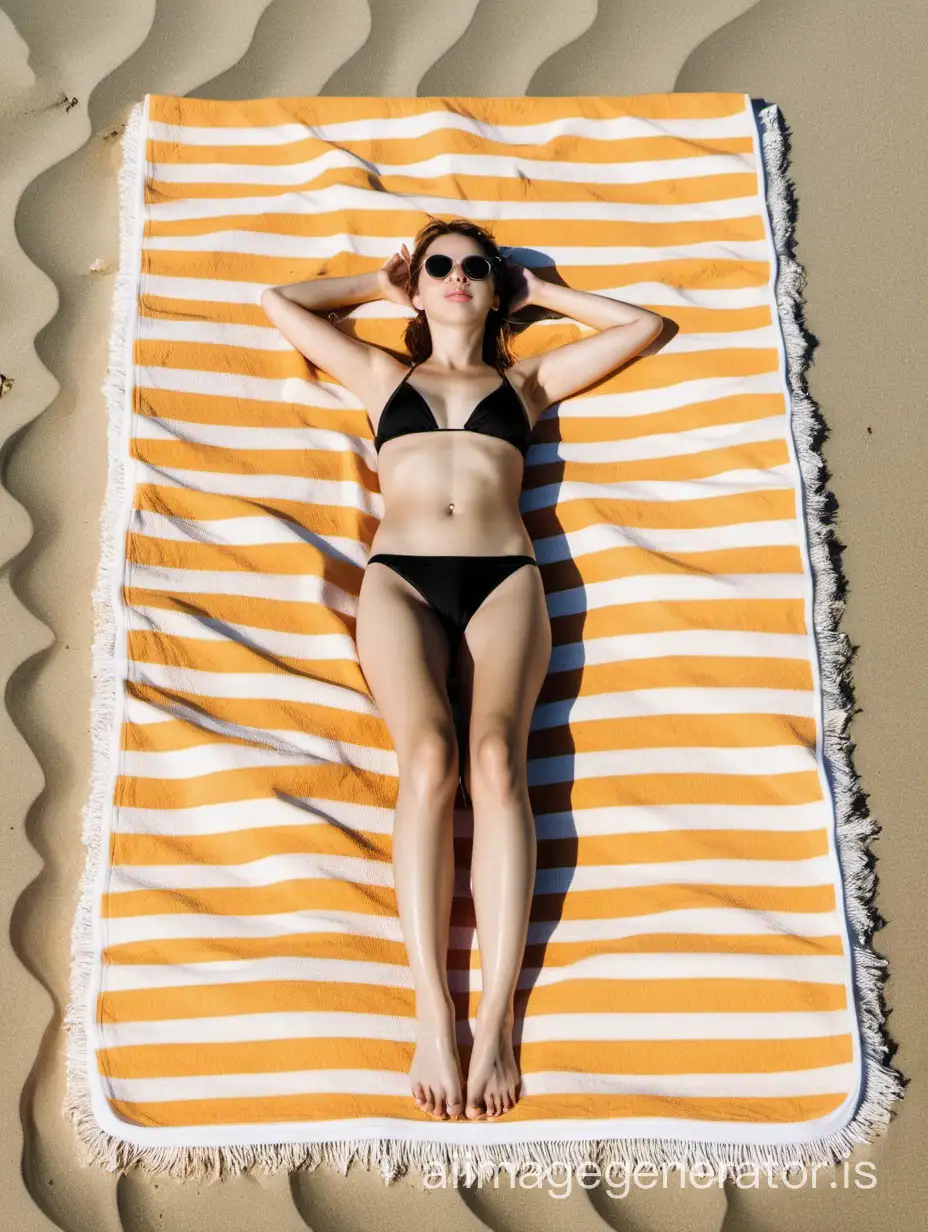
<point x="503" y="866"/>
<point x="423" y="871"/>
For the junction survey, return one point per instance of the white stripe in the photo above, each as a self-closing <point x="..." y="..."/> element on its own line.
<point x="297" y="587"/>
<point x="671" y="818"/>
<point x="213" y="333"/>
<point x="537" y="1029"/>
<point x="285" y="747"/>
<point x="282" y="687"/>
<point x="599" y="537"/>
<point x="702" y="921"/>
<point x="142" y="713"/>
<point x="261" y="874"/>
<point x="230" y="815"/>
<point x="735" y="483"/>
<point x="641" y="702"/>
<point x="817" y="871"/>
<point x="231" y="929"/>
<point x="629" y="647"/>
<point x="322" y="395"/>
<point x="247" y="814"/>
<point x="246" y="529"/>
<point x="833" y="1079"/>
<point x="650" y="588"/>
<point x="790" y="968"/>
<point x="343" y="493"/>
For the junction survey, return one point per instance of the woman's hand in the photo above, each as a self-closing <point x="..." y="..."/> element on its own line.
<point x="520" y="284"/>
<point x="393" y="277"/>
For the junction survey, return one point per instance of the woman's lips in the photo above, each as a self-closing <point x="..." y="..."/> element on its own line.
<point x="457" y="295"/>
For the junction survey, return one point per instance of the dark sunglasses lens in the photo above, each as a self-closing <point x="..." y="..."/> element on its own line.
<point x="438" y="266"/>
<point x="474" y="267"/>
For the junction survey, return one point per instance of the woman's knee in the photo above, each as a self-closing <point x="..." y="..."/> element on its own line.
<point x="429" y="759"/>
<point x="499" y="760"/>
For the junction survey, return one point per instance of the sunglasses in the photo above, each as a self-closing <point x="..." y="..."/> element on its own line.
<point x="475" y="267"/>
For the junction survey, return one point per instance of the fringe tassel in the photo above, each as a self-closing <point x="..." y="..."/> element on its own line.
<point x="105" y="705"/>
<point x="882" y="1084"/>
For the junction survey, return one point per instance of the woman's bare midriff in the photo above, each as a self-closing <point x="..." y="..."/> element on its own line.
<point x="451" y="493"/>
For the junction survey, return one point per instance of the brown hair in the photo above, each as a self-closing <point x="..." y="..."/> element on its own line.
<point x="498" y="334"/>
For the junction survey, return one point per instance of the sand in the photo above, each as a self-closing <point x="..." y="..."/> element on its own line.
<point x="846" y="76"/>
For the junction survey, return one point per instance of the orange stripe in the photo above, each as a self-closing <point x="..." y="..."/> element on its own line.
<point x="332" y="782"/>
<point x="182" y="951"/>
<point x="667" y="514"/>
<point x="333" y="109"/>
<point x="655" y="789"/>
<point x="319" y="894"/>
<point x="701" y="1056"/>
<point x="295" y="558"/>
<point x="613" y="996"/>
<point x="597" y="851"/>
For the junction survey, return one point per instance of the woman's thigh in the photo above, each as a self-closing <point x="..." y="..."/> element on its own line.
<point x="504" y="659"/>
<point x="403" y="652"/>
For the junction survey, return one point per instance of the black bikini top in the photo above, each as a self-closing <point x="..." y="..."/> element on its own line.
<point x="501" y="413"/>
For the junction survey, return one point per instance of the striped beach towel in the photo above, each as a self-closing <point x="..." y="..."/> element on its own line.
<point x="700" y="984"/>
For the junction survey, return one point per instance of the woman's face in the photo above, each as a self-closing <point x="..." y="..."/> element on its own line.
<point x="472" y="299"/>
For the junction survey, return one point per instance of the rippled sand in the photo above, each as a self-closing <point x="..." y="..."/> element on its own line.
<point x="846" y="76"/>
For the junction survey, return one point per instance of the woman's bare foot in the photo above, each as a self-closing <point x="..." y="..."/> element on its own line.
<point x="493" y="1075"/>
<point x="435" y="1073"/>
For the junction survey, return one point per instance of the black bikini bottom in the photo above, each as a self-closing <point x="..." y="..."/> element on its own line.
<point x="453" y="586"/>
